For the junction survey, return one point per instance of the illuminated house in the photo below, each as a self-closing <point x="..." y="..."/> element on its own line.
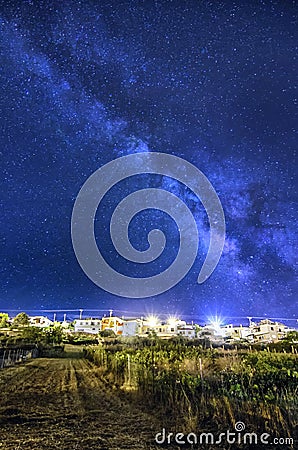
<point x="40" y="321"/>
<point x="151" y="324"/>
<point x="174" y="325"/>
<point x="112" y="323"/>
<point x="188" y="331"/>
<point x="171" y="327"/>
<point x="237" y="332"/>
<point x="90" y="326"/>
<point x="131" y="327"/>
<point x="268" y="331"/>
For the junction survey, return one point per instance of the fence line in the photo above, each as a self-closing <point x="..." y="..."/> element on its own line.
<point x="12" y="356"/>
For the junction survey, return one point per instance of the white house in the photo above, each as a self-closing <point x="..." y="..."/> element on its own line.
<point x="112" y="323"/>
<point x="187" y="331"/>
<point x="162" y="329"/>
<point x="236" y="332"/>
<point x="131" y="327"/>
<point x="268" y="331"/>
<point x="151" y="324"/>
<point x="40" y="321"/>
<point x="90" y="326"/>
<point x="174" y="325"/>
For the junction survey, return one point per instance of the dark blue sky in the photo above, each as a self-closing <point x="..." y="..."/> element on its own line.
<point x="212" y="82"/>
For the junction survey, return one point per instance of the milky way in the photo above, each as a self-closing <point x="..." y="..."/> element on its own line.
<point x="212" y="82"/>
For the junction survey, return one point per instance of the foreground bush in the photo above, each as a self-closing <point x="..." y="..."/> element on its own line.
<point x="195" y="389"/>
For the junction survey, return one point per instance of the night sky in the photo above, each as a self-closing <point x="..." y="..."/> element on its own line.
<point x="84" y="82"/>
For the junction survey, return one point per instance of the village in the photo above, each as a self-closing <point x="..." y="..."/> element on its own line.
<point x="149" y="367"/>
<point x="110" y="325"/>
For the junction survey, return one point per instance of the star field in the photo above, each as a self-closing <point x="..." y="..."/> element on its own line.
<point x="85" y="82"/>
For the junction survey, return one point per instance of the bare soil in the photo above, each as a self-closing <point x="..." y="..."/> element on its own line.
<point x="65" y="403"/>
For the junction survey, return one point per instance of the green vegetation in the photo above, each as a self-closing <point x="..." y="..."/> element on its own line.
<point x="292" y="337"/>
<point x="199" y="389"/>
<point x="4" y="320"/>
<point x="107" y="333"/>
<point x="33" y="335"/>
<point x="80" y="339"/>
<point x="21" y="319"/>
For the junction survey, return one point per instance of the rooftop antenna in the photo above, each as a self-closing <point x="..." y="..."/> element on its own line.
<point x="81" y="313"/>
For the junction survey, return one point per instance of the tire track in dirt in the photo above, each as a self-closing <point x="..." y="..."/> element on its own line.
<point x="64" y="403"/>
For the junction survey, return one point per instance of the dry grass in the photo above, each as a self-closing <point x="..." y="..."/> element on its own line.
<point x="65" y="404"/>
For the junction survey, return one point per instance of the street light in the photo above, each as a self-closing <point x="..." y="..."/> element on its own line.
<point x="172" y="321"/>
<point x="152" y="321"/>
<point x="216" y="323"/>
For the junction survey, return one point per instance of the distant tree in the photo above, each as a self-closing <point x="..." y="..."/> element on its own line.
<point x="197" y="330"/>
<point x="21" y="319"/>
<point x="4" y="320"/>
<point x="179" y="339"/>
<point x="204" y="338"/>
<point x="32" y="335"/>
<point x="54" y="334"/>
<point x="152" y="335"/>
<point x="292" y="336"/>
<point x="107" y="333"/>
<point x="80" y="339"/>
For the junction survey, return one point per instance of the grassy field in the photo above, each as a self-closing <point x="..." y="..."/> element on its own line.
<point x="197" y="390"/>
<point x="65" y="404"/>
<point x="118" y="397"/>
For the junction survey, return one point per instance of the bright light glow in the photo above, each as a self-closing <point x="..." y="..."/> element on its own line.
<point x="172" y="321"/>
<point x="152" y="321"/>
<point x="216" y="323"/>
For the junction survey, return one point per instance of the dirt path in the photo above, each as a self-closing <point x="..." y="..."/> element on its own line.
<point x="64" y="404"/>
